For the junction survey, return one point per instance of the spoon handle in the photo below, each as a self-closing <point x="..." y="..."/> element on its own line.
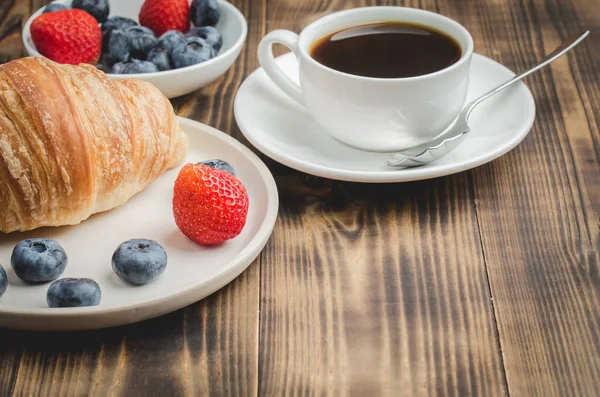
<point x="570" y="42"/>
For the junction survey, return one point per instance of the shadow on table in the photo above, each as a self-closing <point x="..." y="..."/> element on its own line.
<point x="168" y="326"/>
<point x="301" y="192"/>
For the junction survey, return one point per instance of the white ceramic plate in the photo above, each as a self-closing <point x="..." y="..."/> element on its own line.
<point x="177" y="82"/>
<point x="282" y="129"/>
<point x="193" y="271"/>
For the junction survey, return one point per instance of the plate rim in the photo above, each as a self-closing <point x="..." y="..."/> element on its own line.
<point x="192" y="292"/>
<point x="393" y="175"/>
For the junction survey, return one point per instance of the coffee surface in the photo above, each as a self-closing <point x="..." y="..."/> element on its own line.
<point x="387" y="50"/>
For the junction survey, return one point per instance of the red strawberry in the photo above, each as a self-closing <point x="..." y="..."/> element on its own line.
<point x="67" y="36"/>
<point x="164" y="15"/>
<point x="210" y="206"/>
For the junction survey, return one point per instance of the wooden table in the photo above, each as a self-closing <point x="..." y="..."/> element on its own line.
<point x="482" y="283"/>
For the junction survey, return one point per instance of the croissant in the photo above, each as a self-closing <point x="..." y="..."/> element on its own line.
<point x="73" y="142"/>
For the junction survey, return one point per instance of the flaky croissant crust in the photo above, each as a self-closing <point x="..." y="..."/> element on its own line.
<point x="73" y="142"/>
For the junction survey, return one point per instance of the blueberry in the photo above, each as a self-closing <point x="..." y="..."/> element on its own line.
<point x="117" y="48"/>
<point x="139" y="261"/>
<point x="220" y="165"/>
<point x="112" y="24"/>
<point x="119" y="68"/>
<point x="3" y="281"/>
<point x="55" y="7"/>
<point x="142" y="40"/>
<point x="38" y="260"/>
<point x="172" y="39"/>
<point x="159" y="56"/>
<point x="73" y="292"/>
<point x="196" y="50"/>
<point x="99" y="9"/>
<point x="210" y="34"/>
<point x="103" y="66"/>
<point x="117" y="23"/>
<point x="134" y="67"/>
<point x="205" y="12"/>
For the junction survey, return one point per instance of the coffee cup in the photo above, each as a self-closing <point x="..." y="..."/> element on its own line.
<point x="369" y="113"/>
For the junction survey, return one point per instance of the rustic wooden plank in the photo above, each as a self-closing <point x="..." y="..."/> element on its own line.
<point x="12" y="12"/>
<point x="538" y="207"/>
<point x="583" y="81"/>
<point x="208" y="348"/>
<point x="383" y="289"/>
<point x="366" y="295"/>
<point x="13" y="15"/>
<point x="9" y="362"/>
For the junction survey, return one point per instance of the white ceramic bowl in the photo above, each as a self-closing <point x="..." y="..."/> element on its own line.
<point x="176" y="82"/>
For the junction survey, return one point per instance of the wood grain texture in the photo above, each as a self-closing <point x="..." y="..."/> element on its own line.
<point x="538" y="211"/>
<point x="209" y="348"/>
<point x="384" y="294"/>
<point x="540" y="331"/>
<point x="483" y="283"/>
<point x="363" y="295"/>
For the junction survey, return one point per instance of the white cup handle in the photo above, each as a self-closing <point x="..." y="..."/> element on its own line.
<point x="267" y="61"/>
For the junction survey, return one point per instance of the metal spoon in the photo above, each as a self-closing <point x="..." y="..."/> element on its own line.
<point x="439" y="147"/>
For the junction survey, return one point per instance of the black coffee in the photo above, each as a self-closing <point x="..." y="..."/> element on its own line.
<point x="387" y="50"/>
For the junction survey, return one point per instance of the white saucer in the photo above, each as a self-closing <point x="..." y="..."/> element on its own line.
<point x="193" y="271"/>
<point x="282" y="129"/>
